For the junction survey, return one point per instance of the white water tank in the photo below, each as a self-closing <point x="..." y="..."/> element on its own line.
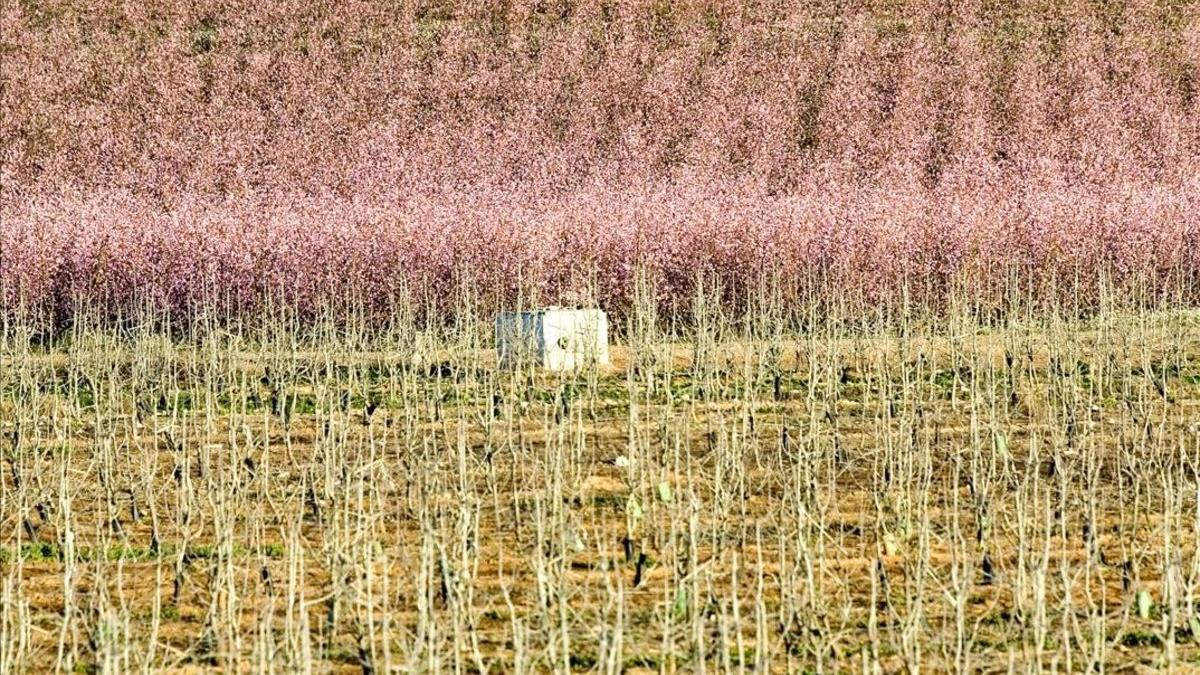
<point x="553" y="338"/>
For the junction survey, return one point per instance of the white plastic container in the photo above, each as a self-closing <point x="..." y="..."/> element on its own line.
<point x="552" y="338"/>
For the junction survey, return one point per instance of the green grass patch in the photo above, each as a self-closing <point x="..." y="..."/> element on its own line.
<point x="39" y="551"/>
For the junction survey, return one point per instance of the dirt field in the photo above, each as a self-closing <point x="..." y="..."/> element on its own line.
<point x="1022" y="498"/>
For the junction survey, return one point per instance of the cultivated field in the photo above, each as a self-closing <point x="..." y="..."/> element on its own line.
<point x="749" y="493"/>
<point x="904" y="297"/>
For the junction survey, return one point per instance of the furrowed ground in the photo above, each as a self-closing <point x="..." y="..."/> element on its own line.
<point x="744" y="497"/>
